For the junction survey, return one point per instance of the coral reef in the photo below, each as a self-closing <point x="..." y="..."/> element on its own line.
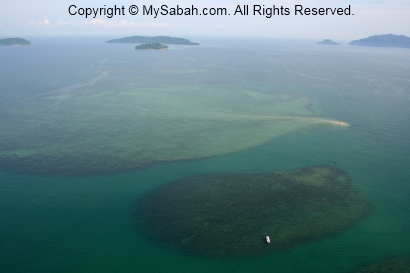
<point x="229" y="214"/>
<point x="399" y="264"/>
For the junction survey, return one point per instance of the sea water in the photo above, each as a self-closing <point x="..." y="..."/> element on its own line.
<point x="51" y="222"/>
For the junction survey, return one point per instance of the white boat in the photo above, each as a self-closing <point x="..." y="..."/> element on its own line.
<point x="267" y="239"/>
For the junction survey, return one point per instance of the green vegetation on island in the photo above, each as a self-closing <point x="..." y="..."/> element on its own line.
<point x="152" y="46"/>
<point x="328" y="42"/>
<point x="150" y="40"/>
<point x="14" y="41"/>
<point x="385" y="40"/>
<point x="230" y="214"/>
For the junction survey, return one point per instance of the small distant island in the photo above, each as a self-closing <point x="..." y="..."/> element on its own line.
<point x="152" y="46"/>
<point x="14" y="42"/>
<point x="385" y="40"/>
<point x="328" y="42"/>
<point x="151" y="40"/>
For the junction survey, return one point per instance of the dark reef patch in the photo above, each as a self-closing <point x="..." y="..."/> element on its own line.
<point x="229" y="214"/>
<point x="400" y="264"/>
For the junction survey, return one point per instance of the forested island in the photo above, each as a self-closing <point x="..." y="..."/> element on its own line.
<point x="385" y="40"/>
<point x="328" y="42"/>
<point x="14" y="42"/>
<point x="151" y="40"/>
<point x="152" y="46"/>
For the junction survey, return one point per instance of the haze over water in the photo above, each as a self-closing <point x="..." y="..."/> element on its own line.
<point x="123" y="122"/>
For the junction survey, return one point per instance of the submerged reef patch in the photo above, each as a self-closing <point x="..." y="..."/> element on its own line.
<point x="399" y="264"/>
<point x="229" y="214"/>
<point x="111" y="124"/>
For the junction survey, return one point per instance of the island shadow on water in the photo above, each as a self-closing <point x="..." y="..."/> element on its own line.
<point x="228" y="215"/>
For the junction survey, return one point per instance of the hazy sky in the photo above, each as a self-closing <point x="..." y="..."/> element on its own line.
<point x="52" y="17"/>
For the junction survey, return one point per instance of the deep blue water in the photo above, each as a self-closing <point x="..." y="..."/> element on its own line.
<point x="52" y="223"/>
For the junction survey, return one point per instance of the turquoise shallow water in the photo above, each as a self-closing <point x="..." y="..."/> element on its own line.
<point x="51" y="223"/>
